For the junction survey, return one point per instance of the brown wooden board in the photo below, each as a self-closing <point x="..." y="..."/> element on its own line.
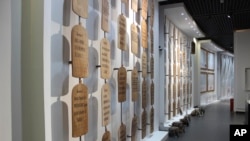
<point x="79" y="52"/>
<point x="134" y="5"/>
<point x="80" y="7"/>
<point x="152" y="13"/>
<point x="144" y="64"/>
<point x="144" y="124"/>
<point x="134" y="39"/>
<point x="152" y="67"/>
<point x="79" y="110"/>
<point x="105" y="105"/>
<point x="106" y="136"/>
<point x="152" y="40"/>
<point x="122" y="28"/>
<point x="105" y="15"/>
<point x="144" y="94"/>
<point x="122" y="82"/>
<point x="174" y="97"/>
<point x="122" y="136"/>
<point x="152" y="89"/>
<point x="144" y="34"/>
<point x="169" y="100"/>
<point x="135" y="81"/>
<point x="134" y="129"/>
<point x="105" y="59"/>
<point x="144" y="13"/>
<point x="152" y="120"/>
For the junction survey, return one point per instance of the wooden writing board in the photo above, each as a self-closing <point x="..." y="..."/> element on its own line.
<point x="122" y="81"/>
<point x="122" y="135"/>
<point x="134" y="129"/>
<point x="105" y="59"/>
<point x="134" y="5"/>
<point x="152" y="63"/>
<point x="144" y="123"/>
<point x="152" y="40"/>
<point x="144" y="9"/>
<point x="152" y="120"/>
<point x="144" y="32"/>
<point x="79" y="52"/>
<point x="106" y="136"/>
<point x="79" y="110"/>
<point x="144" y="94"/>
<point x="152" y="89"/>
<point x="144" y="64"/>
<point x="80" y="7"/>
<point x="135" y="82"/>
<point x="134" y="39"/>
<point x="152" y="13"/>
<point x="105" y="15"/>
<point x="122" y="28"/>
<point x="105" y="104"/>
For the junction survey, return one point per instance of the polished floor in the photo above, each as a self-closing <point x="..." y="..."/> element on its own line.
<point x="213" y="126"/>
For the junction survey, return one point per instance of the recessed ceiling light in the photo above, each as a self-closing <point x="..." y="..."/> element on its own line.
<point x="182" y="14"/>
<point x="191" y="26"/>
<point x="186" y="18"/>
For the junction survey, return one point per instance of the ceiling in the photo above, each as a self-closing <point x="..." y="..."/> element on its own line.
<point x="218" y="19"/>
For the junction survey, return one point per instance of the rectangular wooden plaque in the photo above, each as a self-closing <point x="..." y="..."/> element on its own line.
<point x="80" y="7"/>
<point x="144" y="64"/>
<point x="135" y="81"/>
<point x="105" y="59"/>
<point x="106" y="136"/>
<point x="134" y="39"/>
<point x="105" y="104"/>
<point x="152" y="89"/>
<point x="122" y="82"/>
<point x="134" y="129"/>
<point x="134" y="5"/>
<point x="152" y="40"/>
<point x="144" y="34"/>
<point x="122" y="28"/>
<point x="152" y="120"/>
<point x="152" y="67"/>
<point x="144" y="9"/>
<point x="79" y="110"/>
<point x="144" y="124"/>
<point x="79" y="53"/>
<point x="152" y="13"/>
<point x="122" y="135"/>
<point x="144" y="94"/>
<point x="105" y="15"/>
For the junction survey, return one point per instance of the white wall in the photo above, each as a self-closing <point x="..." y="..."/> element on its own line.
<point x="58" y="81"/>
<point x="241" y="54"/>
<point x="5" y="75"/>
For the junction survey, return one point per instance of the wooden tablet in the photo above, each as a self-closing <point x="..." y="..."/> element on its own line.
<point x="134" y="5"/>
<point x="134" y="129"/>
<point x="144" y="94"/>
<point x="79" y="110"/>
<point x="122" y="81"/>
<point x="144" y="64"/>
<point x="80" y="7"/>
<point x="144" y="34"/>
<point x="144" y="9"/>
<point x="152" y="120"/>
<point x="152" y="13"/>
<point x="152" y="92"/>
<point x="144" y="124"/>
<point x="105" y="15"/>
<point x="106" y="136"/>
<point x="79" y="52"/>
<point x="152" y="63"/>
<point x="122" y="135"/>
<point x="105" y="94"/>
<point x="152" y="40"/>
<point x="135" y="80"/>
<point x="105" y="59"/>
<point x="122" y="28"/>
<point x="134" y="39"/>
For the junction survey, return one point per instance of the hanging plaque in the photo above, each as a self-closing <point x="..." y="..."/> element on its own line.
<point x="144" y="32"/>
<point x="105" y="59"/>
<point x="80" y="7"/>
<point x="122" y="81"/>
<point x="152" y="40"/>
<point x="134" y="129"/>
<point x="106" y="136"/>
<point x="174" y="69"/>
<point x="134" y="84"/>
<point x="152" y="67"/>
<point x="144" y="94"/>
<point x="134" y="5"/>
<point x="79" y="110"/>
<point x="105" y="15"/>
<point x="144" y="9"/>
<point x="174" y="97"/>
<point x="152" y="89"/>
<point x="122" y="28"/>
<point x="134" y="39"/>
<point x="152" y="12"/>
<point x="144" y="64"/>
<point x="144" y="124"/>
<point x="105" y="105"/>
<point x="79" y="53"/>
<point x="170" y="100"/>
<point x="152" y="120"/>
<point x="122" y="136"/>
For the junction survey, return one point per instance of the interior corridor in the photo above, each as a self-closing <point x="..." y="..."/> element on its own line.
<point x="213" y="126"/>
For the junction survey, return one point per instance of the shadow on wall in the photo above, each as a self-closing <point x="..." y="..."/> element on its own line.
<point x="57" y="8"/>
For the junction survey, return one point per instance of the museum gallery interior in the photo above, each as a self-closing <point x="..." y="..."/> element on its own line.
<point x="118" y="70"/>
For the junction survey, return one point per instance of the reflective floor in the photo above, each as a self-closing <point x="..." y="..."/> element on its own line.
<point x="213" y="126"/>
